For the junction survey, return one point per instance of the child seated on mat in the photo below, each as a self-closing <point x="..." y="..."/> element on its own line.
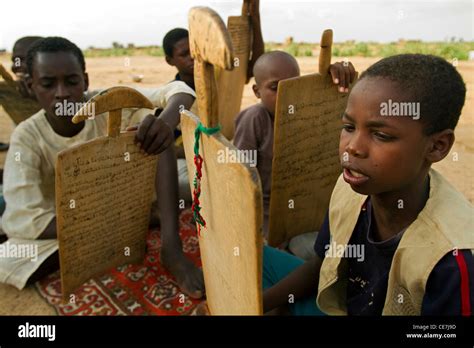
<point x="20" y="48"/>
<point x="254" y="125"/>
<point x="58" y="74"/>
<point x="398" y="238"/>
<point x="178" y="54"/>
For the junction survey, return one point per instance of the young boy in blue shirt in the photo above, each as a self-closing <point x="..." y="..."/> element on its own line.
<point x="398" y="238"/>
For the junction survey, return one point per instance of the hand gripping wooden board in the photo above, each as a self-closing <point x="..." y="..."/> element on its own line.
<point x="231" y="83"/>
<point x="15" y="105"/>
<point x="231" y="199"/>
<point x="104" y="191"/>
<point x="305" y="151"/>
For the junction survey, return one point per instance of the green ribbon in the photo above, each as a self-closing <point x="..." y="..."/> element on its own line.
<point x="198" y="160"/>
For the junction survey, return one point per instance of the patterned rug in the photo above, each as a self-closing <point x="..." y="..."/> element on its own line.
<point x="145" y="289"/>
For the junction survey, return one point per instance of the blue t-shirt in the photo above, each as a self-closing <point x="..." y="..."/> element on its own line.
<point x="369" y="266"/>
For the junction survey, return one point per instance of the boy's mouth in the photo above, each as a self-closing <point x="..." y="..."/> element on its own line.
<point x="354" y="177"/>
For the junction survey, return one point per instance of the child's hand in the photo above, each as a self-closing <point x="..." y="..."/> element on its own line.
<point x="343" y="74"/>
<point x="153" y="135"/>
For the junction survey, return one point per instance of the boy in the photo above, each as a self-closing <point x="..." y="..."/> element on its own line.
<point x="20" y="49"/>
<point x="177" y="53"/>
<point x="414" y="230"/>
<point x="57" y="73"/>
<point x="254" y="125"/>
<point x="11" y="98"/>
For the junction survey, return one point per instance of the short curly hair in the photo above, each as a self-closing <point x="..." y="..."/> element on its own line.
<point x="431" y="81"/>
<point x="53" y="44"/>
<point x="27" y="41"/>
<point x="171" y="38"/>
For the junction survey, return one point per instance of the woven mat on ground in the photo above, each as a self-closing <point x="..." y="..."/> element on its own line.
<point x="144" y="289"/>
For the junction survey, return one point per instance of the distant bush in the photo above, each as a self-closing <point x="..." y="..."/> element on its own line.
<point x="448" y="49"/>
<point x="293" y="49"/>
<point x="155" y="51"/>
<point x="361" y="49"/>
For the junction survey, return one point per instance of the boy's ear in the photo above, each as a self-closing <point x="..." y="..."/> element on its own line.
<point x="256" y="91"/>
<point x="169" y="60"/>
<point x="29" y="83"/>
<point x="441" y="144"/>
<point x="86" y="81"/>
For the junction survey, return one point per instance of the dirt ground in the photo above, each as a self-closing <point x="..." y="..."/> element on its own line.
<point x="107" y="72"/>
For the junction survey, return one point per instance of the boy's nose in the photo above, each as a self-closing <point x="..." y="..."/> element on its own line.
<point x="62" y="92"/>
<point x="355" y="147"/>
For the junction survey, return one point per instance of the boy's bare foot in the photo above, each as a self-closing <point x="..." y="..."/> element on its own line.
<point x="190" y="278"/>
<point x="50" y="265"/>
<point x="201" y="309"/>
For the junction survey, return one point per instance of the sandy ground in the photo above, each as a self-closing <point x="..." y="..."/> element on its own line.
<point x="107" y="72"/>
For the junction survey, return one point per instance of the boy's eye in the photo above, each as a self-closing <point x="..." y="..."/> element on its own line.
<point x="73" y="81"/>
<point x="274" y="87"/>
<point x="383" y="136"/>
<point x="46" y="84"/>
<point x="348" y="127"/>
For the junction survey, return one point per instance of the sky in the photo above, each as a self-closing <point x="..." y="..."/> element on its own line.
<point x="98" y="23"/>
